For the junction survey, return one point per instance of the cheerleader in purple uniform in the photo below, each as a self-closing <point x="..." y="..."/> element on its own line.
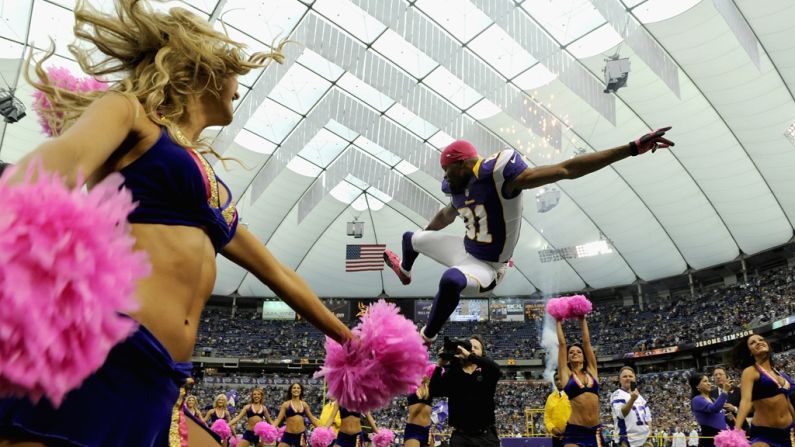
<point x="175" y="76"/>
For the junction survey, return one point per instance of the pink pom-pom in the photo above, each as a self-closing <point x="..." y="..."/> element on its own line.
<point x="322" y="437"/>
<point x="90" y="84"/>
<point x="567" y="307"/>
<point x="731" y="438"/>
<point x="62" y="78"/>
<point x="67" y="268"/>
<point x="267" y="433"/>
<point x="383" y="438"/>
<point x="579" y="306"/>
<point x="385" y="358"/>
<point x="221" y="428"/>
<point x="558" y="308"/>
<point x="428" y="374"/>
<point x="234" y="440"/>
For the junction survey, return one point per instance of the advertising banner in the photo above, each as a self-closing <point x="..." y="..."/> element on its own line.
<point x="506" y="309"/>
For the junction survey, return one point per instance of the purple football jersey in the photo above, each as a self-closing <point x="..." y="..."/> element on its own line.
<point x="491" y="216"/>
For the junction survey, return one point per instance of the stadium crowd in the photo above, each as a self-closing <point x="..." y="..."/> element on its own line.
<point x="768" y="296"/>
<point x="667" y="392"/>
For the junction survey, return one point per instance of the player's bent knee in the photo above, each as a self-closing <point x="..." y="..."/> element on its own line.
<point x="453" y="279"/>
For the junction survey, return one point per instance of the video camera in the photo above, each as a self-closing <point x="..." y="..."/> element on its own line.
<point x="450" y="348"/>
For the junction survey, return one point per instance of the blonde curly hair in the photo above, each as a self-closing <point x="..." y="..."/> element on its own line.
<point x="218" y="398"/>
<point x="160" y="59"/>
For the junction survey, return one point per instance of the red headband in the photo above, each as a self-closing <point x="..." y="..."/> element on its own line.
<point x="458" y="150"/>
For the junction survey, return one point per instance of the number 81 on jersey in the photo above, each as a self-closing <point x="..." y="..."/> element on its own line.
<point x="476" y="222"/>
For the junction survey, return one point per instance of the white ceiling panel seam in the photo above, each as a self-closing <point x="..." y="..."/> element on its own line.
<point x="581" y="137"/>
<point x="790" y="218"/>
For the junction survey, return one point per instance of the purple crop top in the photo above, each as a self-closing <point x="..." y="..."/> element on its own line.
<point x="177" y="186"/>
<point x="768" y="386"/>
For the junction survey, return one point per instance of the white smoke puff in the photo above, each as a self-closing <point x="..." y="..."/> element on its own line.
<point x="549" y="341"/>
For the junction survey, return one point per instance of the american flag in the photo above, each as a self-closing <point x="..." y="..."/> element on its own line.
<point x="364" y="257"/>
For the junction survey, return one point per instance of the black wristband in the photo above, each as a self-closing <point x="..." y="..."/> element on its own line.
<point x="633" y="148"/>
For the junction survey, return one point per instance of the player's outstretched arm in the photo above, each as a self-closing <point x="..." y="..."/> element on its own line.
<point x="585" y="164"/>
<point x="443" y="218"/>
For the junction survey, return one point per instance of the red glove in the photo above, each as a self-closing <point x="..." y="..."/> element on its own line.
<point x="651" y="141"/>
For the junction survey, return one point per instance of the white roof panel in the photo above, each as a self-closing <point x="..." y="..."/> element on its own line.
<point x="723" y="191"/>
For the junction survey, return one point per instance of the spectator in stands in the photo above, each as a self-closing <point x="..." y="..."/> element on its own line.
<point x="678" y="439"/>
<point x="686" y="318"/>
<point x="255" y="411"/>
<point x="470" y="384"/>
<point x="631" y="415"/>
<point x="709" y="415"/>
<point x="660" y="438"/>
<point x="732" y="400"/>
<point x="292" y="412"/>
<point x="608" y="435"/>
<point x="557" y="411"/>
<point x="767" y="390"/>
<point x="577" y="369"/>
<point x="692" y="438"/>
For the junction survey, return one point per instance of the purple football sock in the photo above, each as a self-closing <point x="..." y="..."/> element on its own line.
<point x="451" y="285"/>
<point x="409" y="255"/>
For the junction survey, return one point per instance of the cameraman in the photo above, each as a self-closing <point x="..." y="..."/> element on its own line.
<point x="469" y="381"/>
<point x="631" y="416"/>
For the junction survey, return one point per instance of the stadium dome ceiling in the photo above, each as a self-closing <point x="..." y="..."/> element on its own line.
<point x="351" y="125"/>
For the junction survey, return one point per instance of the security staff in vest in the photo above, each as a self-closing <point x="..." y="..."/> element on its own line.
<point x="556" y="413"/>
<point x="469" y="381"/>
